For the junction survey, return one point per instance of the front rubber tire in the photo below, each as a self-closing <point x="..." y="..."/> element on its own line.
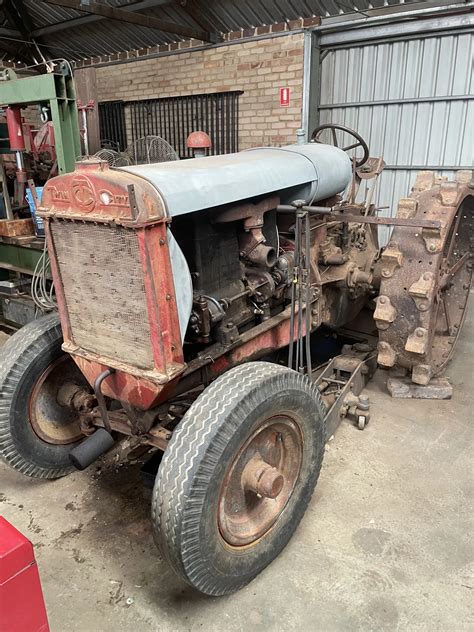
<point x="187" y="489"/>
<point x="23" y="358"/>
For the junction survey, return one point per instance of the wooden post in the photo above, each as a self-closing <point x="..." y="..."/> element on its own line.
<point x="86" y="90"/>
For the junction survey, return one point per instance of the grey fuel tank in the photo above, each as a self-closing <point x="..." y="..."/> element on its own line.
<point x="308" y="171"/>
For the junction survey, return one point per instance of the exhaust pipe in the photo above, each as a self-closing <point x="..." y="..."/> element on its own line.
<point x="102" y="440"/>
<point x="91" y="448"/>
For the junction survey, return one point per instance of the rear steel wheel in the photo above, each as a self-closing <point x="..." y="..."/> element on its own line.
<point x="426" y="278"/>
<point x="237" y="475"/>
<point x="38" y="381"/>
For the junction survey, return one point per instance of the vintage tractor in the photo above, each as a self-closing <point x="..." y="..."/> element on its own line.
<point x="187" y="293"/>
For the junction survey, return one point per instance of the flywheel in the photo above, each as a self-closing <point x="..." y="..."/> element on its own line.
<point x="426" y="276"/>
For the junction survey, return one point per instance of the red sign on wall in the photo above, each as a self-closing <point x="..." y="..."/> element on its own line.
<point x="284" y="97"/>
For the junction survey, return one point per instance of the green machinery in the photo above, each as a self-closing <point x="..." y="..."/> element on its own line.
<point x="53" y="92"/>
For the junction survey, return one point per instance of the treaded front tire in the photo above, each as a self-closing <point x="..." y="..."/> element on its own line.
<point x="23" y="359"/>
<point x="187" y="497"/>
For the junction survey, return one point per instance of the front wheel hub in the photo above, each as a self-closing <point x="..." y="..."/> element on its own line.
<point x="262" y="478"/>
<point x="260" y="481"/>
<point x="53" y="415"/>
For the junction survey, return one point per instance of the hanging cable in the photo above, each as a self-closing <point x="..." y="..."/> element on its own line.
<point x="42" y="290"/>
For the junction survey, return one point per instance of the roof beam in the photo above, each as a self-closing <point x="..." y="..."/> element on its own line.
<point x="88" y="19"/>
<point x="18" y="16"/>
<point x="15" y="51"/>
<point x="121" y="15"/>
<point x="192" y="8"/>
<point x="7" y="32"/>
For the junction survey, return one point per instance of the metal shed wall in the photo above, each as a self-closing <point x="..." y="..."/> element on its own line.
<point x="411" y="98"/>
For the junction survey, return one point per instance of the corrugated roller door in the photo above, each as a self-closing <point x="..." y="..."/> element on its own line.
<point x="411" y="99"/>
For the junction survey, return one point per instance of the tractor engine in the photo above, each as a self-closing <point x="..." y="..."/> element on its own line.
<point x="159" y="266"/>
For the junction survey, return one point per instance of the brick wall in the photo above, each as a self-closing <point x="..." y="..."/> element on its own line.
<point x="259" y="68"/>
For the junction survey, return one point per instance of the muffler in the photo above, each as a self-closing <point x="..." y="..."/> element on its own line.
<point x="91" y="448"/>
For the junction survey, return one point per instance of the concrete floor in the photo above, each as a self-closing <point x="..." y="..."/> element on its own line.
<point x="385" y="545"/>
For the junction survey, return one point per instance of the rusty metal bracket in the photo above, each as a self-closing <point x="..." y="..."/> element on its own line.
<point x="432" y="239"/>
<point x="133" y="202"/>
<point x="391" y="259"/>
<point x="407" y="208"/>
<point x="387" y="356"/>
<point x="422" y="291"/>
<point x="385" y="313"/>
<point x="417" y="341"/>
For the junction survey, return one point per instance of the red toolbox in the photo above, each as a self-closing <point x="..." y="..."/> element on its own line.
<point x="21" y="599"/>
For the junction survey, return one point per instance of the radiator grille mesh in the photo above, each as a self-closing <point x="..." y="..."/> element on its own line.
<point x="104" y="290"/>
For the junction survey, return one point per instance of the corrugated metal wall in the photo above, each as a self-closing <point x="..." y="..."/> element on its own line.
<point x="411" y="99"/>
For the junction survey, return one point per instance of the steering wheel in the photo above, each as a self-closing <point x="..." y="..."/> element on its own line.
<point x="316" y="138"/>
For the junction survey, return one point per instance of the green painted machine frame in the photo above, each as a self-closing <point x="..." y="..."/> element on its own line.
<point x="56" y="91"/>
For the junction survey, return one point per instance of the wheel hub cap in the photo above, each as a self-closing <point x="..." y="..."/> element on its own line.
<point x="260" y="481"/>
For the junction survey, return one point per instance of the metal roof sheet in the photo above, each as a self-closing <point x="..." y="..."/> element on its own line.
<point x="75" y="35"/>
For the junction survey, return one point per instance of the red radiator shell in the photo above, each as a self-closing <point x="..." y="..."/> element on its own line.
<point x="22" y="606"/>
<point x="95" y="193"/>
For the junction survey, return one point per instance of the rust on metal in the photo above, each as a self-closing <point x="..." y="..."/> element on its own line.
<point x="88" y="217"/>
<point x="107" y="235"/>
<point x="55" y="400"/>
<point x="260" y="480"/>
<point x="429" y="284"/>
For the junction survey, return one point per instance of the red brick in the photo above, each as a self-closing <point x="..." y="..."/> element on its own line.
<point x="279" y="27"/>
<point x="314" y="21"/>
<point x="295" y="24"/>
<point x="253" y="66"/>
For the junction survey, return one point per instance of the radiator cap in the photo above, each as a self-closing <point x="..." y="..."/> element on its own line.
<point x="92" y="164"/>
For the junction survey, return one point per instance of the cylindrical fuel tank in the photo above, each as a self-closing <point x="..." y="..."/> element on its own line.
<point x="309" y="171"/>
